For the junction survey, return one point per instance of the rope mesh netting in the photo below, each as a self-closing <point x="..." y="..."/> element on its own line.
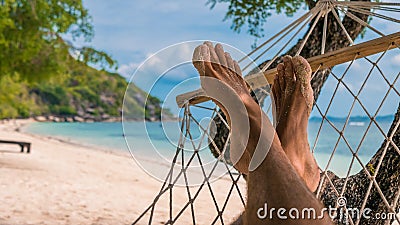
<point x="356" y="99"/>
<point x="371" y="176"/>
<point x="204" y="192"/>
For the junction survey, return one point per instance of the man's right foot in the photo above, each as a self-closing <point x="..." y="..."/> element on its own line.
<point x="293" y="99"/>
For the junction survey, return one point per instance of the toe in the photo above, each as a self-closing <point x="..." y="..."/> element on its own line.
<point x="229" y="61"/>
<point x="237" y="68"/>
<point x="207" y="64"/>
<point x="238" y="73"/>
<point x="303" y="74"/>
<point x="279" y="90"/>
<point x="213" y="54"/>
<point x="289" y="74"/>
<point x="221" y="54"/>
<point x="198" y="59"/>
<point x="274" y="99"/>
<point x="302" y="69"/>
<point x="274" y="88"/>
<point x="281" y="77"/>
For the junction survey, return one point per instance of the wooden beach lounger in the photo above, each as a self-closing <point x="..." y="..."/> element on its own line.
<point x="20" y="143"/>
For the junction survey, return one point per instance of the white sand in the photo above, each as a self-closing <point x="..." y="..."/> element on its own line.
<point x="62" y="183"/>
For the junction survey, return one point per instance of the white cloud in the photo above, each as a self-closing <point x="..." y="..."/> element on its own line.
<point x="126" y="70"/>
<point x="396" y="59"/>
<point x="148" y="26"/>
<point x="385" y="26"/>
<point x="171" y="64"/>
<point x="156" y="64"/>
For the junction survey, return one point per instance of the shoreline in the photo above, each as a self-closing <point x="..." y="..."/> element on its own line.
<point x="139" y="160"/>
<point x="64" y="183"/>
<point x="26" y="122"/>
<point x="91" y="119"/>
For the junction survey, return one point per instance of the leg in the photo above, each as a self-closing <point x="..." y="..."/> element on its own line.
<point x="293" y="100"/>
<point x="275" y="181"/>
<point x="292" y="97"/>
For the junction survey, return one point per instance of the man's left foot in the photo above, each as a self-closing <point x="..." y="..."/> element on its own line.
<point x="293" y="100"/>
<point x="215" y="64"/>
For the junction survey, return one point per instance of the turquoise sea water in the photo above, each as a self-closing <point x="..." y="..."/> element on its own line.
<point x="155" y="139"/>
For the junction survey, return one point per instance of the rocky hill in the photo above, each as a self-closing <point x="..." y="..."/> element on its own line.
<point x="80" y="94"/>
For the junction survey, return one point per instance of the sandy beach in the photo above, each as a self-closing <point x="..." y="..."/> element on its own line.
<point x="64" y="183"/>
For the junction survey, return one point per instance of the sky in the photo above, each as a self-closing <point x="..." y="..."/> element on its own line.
<point x="158" y="34"/>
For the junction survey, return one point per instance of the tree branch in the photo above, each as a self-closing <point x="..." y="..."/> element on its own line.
<point x="310" y="3"/>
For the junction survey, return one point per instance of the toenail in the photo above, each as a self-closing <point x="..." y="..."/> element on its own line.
<point x="297" y="62"/>
<point x="286" y="58"/>
<point x="207" y="43"/>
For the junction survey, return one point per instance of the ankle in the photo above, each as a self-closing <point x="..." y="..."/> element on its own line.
<point x="298" y="143"/>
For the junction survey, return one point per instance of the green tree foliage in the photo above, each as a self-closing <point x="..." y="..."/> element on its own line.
<point x="42" y="73"/>
<point x="32" y="37"/>
<point x="15" y="100"/>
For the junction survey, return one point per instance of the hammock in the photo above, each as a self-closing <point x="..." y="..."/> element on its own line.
<point x="364" y="184"/>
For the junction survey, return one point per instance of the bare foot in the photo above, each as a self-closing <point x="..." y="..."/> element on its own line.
<point x="293" y="98"/>
<point x="231" y="94"/>
<point x="215" y="63"/>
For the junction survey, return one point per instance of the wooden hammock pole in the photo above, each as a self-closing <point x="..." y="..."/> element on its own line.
<point x="320" y="62"/>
